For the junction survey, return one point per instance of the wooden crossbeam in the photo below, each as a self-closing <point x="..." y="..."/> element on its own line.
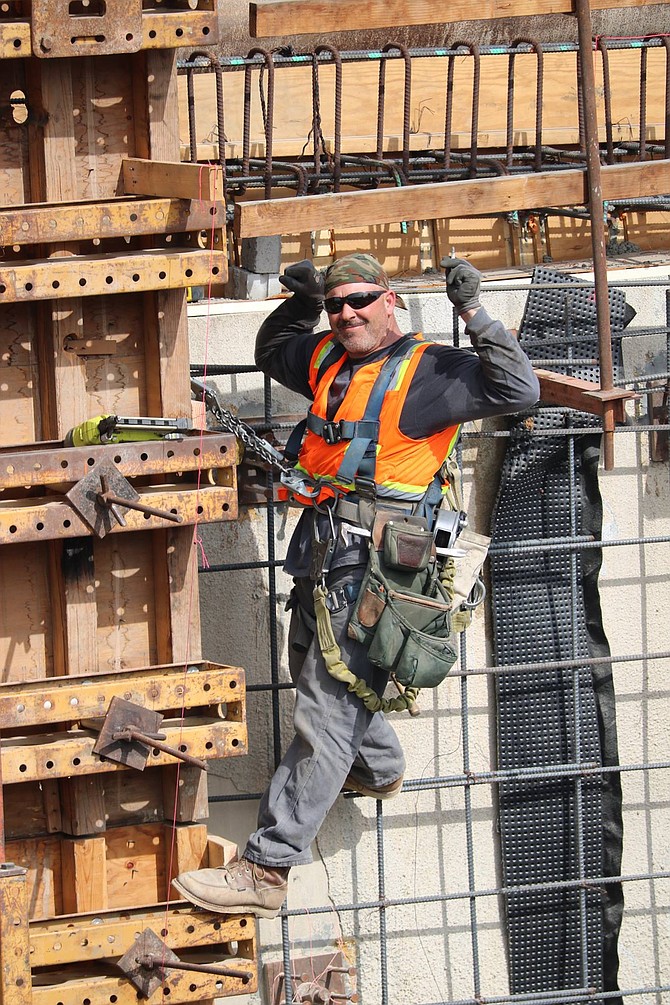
<point x="173" y="180"/>
<point x="49" y="224"/>
<point x="93" y="275"/>
<point x="303" y="17"/>
<point x="446" y="200"/>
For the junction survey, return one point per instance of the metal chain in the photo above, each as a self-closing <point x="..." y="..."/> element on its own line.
<point x="295" y="481"/>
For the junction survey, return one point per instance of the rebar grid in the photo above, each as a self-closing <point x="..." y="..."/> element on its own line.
<point x="468" y="779"/>
<point x="321" y="165"/>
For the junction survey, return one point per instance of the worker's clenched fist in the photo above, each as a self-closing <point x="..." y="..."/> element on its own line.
<point x="303" y="280"/>
<point x="464" y="284"/>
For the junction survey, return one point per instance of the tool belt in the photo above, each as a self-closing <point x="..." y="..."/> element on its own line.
<point x="403" y="611"/>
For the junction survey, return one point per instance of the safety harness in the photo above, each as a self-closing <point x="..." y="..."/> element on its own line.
<point x="358" y="468"/>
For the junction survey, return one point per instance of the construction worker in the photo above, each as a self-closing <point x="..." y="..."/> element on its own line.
<point x="340" y="744"/>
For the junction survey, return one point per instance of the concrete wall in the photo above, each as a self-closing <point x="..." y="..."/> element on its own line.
<point x="424" y="832"/>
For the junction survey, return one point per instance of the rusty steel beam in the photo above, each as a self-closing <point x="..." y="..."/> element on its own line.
<point x="42" y="520"/>
<point x="169" y="30"/>
<point x="75" y="697"/>
<point x="95" y="275"/>
<point x="37" y="224"/>
<point x="63" y="465"/>
<point x="596" y="213"/>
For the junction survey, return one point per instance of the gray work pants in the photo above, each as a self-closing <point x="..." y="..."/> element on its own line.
<point x="334" y="732"/>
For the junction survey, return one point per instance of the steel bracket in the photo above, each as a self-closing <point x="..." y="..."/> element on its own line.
<point x="148" y="961"/>
<point x="130" y="732"/>
<point x="100" y="496"/>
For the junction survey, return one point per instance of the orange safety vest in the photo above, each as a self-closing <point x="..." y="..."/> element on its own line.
<point x="404" y="467"/>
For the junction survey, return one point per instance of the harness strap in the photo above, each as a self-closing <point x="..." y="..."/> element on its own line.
<point x="335" y="666"/>
<point x="355" y="463"/>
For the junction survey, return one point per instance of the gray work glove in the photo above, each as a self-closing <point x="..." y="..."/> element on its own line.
<point x="305" y="282"/>
<point x="464" y="284"/>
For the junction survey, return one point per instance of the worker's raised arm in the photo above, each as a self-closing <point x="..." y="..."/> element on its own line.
<point x="283" y="344"/>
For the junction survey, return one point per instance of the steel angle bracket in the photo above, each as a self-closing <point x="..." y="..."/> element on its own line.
<point x="148" y="961"/>
<point x="85" y="497"/>
<point x="130" y="733"/>
<point x="114" y="740"/>
<point x="85" y="27"/>
<point x="147" y="979"/>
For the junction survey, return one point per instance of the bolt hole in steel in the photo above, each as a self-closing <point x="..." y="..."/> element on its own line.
<point x="64" y="464"/>
<point x="76" y="761"/>
<point x="109" y="280"/>
<point x="28" y="287"/>
<point x="13" y="529"/>
<point x="170" y="453"/>
<point x="136" y="277"/>
<point x="117" y="459"/>
<point x="161" y="275"/>
<point x="55" y="284"/>
<point x="66" y="523"/>
<point x="39" y="526"/>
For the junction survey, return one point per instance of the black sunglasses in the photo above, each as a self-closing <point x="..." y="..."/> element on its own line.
<point x="356" y="300"/>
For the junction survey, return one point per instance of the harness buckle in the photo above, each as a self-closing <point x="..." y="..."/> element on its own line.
<point x="336" y="599"/>
<point x="331" y="432"/>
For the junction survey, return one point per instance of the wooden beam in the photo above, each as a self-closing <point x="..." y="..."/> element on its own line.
<point x="583" y="395"/>
<point x="47" y="224"/>
<point x="15" y="980"/>
<point x="446" y="200"/>
<point x="172" y="180"/>
<point x="303" y="17"/>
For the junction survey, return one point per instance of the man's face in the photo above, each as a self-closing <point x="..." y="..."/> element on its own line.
<point x="363" y="330"/>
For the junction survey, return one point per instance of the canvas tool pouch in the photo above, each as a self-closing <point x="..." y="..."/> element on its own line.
<point x="403" y="612"/>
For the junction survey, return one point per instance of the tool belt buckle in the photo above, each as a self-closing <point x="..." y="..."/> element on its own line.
<point x="336" y="599"/>
<point x="331" y="432"/>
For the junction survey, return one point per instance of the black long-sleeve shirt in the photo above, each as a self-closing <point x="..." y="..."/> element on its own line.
<point x="450" y="386"/>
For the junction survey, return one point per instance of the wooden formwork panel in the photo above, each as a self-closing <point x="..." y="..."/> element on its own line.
<point x="122" y="867"/>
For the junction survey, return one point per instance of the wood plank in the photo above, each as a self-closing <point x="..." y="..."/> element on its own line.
<point x="136" y="872"/>
<point x="185" y="849"/>
<point x="185" y="794"/>
<point x="26" y="613"/>
<point x="15" y="980"/>
<point x="299" y="17"/>
<point x="446" y="199"/>
<point x="83" y="811"/>
<point x="200" y="182"/>
<point x="83" y="875"/>
<point x="41" y="858"/>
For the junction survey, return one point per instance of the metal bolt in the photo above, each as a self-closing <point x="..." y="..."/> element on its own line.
<point x="46" y="43"/>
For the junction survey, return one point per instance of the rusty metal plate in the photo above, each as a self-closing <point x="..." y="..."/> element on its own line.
<point x="40" y="465"/>
<point x="72" y="698"/>
<point x="95" y="275"/>
<point x="169" y="30"/>
<point x="101" y="936"/>
<point x="123" y="218"/>
<point x="65" y="28"/>
<point x="66" y="755"/>
<point x="120" y="715"/>
<point x="40" y="520"/>
<point x="84" y="497"/>
<point x="145" y="979"/>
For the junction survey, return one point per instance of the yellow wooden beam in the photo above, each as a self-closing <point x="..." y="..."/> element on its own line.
<point x="63" y="699"/>
<point x="42" y="520"/>
<point x="202" y="182"/>
<point x="304" y="17"/>
<point x="446" y="200"/>
<point x="94" y="275"/>
<point x="106" y="934"/>
<point x="49" y="224"/>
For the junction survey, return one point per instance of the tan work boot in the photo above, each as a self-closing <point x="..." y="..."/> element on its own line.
<point x="239" y="888"/>
<point x="383" y="792"/>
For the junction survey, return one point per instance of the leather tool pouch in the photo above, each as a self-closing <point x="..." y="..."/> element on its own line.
<point x="403" y="612"/>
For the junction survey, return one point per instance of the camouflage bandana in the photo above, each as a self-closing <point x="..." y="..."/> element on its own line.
<point x="357" y="268"/>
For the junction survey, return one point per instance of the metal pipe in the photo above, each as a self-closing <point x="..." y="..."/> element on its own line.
<point x="596" y="212"/>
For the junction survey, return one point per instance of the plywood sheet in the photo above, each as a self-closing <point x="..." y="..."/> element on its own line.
<point x="19" y="376"/>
